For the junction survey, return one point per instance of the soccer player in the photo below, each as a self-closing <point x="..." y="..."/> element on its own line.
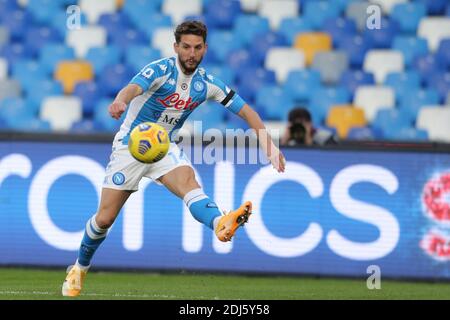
<point x="166" y="91"/>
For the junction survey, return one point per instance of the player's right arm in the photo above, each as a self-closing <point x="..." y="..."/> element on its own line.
<point x="123" y="98"/>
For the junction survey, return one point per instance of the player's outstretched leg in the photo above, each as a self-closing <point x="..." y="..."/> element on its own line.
<point x="229" y="223"/>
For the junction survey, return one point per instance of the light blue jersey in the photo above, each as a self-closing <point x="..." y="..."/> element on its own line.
<point x="169" y="96"/>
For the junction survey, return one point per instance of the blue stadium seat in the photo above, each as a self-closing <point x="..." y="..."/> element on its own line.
<point x="408" y="16"/>
<point x="139" y="56"/>
<point x="28" y="73"/>
<point x="14" y="52"/>
<point x="7" y="6"/>
<point x="339" y="27"/>
<point x="238" y="59"/>
<point x="137" y="9"/>
<point x="60" y="20"/>
<point x="104" y="119"/>
<point x="149" y="23"/>
<point x="291" y="27"/>
<point x="86" y="126"/>
<point x="42" y="89"/>
<point x="221" y="14"/>
<point x="427" y="65"/>
<point x="220" y="71"/>
<point x="18" y="22"/>
<point x="275" y="101"/>
<point x="129" y="37"/>
<point x="247" y="26"/>
<point x="90" y="93"/>
<point x="323" y="99"/>
<point x="302" y="83"/>
<point x="51" y="54"/>
<point x="210" y="114"/>
<point x="434" y="7"/>
<point x="43" y="11"/>
<point x="382" y="38"/>
<point x="30" y="125"/>
<point x="356" y="48"/>
<point x="440" y="81"/>
<point x="360" y="134"/>
<point x="13" y="109"/>
<point x="114" y="22"/>
<point x="100" y="57"/>
<point x="317" y="12"/>
<point x="403" y="82"/>
<point x="263" y="42"/>
<point x="411" y="103"/>
<point x="448" y="10"/>
<point x="36" y="38"/>
<point x="443" y="53"/>
<point x="235" y="122"/>
<point x="114" y="78"/>
<point x="411" y="47"/>
<point x="390" y="117"/>
<point x="406" y="134"/>
<point x="352" y="79"/>
<point x="251" y="80"/>
<point x="222" y="43"/>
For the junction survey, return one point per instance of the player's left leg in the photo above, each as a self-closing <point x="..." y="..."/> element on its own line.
<point x="181" y="181"/>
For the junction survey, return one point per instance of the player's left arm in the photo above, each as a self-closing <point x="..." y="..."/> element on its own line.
<point x="274" y="154"/>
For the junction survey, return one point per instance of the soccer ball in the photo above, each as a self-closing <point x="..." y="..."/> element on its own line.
<point x="149" y="142"/>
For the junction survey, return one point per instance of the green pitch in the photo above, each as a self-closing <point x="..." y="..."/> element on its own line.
<point x="46" y="284"/>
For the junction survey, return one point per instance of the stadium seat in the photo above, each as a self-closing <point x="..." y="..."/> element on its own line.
<point x="275" y="102"/>
<point x="61" y="21"/>
<point x="331" y="65"/>
<point x="372" y="98"/>
<point x="322" y="99"/>
<point x="382" y="38"/>
<point x="263" y="42"/>
<point x="434" y="29"/>
<point x="70" y="72"/>
<point x="356" y="47"/>
<point x="247" y="26"/>
<point x="352" y="79"/>
<point x="221" y="14"/>
<point x="28" y="73"/>
<point x="179" y="9"/>
<point x="221" y="43"/>
<point x="89" y="93"/>
<point x="440" y="82"/>
<point x="251" y="79"/>
<point x="344" y="117"/>
<point x="114" y="22"/>
<point x="427" y="65"/>
<point x="241" y="58"/>
<point x="435" y="120"/>
<point x="114" y="78"/>
<point x="136" y="10"/>
<point x="358" y="12"/>
<point x="210" y="114"/>
<point x="317" y="12"/>
<point x="42" y="10"/>
<point x="387" y="118"/>
<point x="381" y="62"/>
<point x="149" y="23"/>
<point x="4" y="35"/>
<point x="301" y="84"/>
<point x="410" y="47"/>
<point x="14" y="52"/>
<point x="443" y="53"/>
<point x="388" y="5"/>
<point x="405" y="134"/>
<point x="434" y="7"/>
<point x="361" y="134"/>
<point x="36" y="38"/>
<point x="250" y="6"/>
<point x="17" y="22"/>
<point x="277" y="10"/>
<point x="290" y="28"/>
<point x="103" y="118"/>
<point x="163" y="40"/>
<point x="227" y="75"/>
<point x="51" y="54"/>
<point x="138" y="56"/>
<point x="3" y="68"/>
<point x="86" y="126"/>
<point x="416" y="100"/>
<point x="94" y="9"/>
<point x="61" y="111"/>
<point x="100" y="57"/>
<point x="14" y="108"/>
<point x="311" y="43"/>
<point x="85" y="38"/>
<point x="42" y="89"/>
<point x="403" y="82"/>
<point x="10" y="88"/>
<point x="29" y="125"/>
<point x="408" y="15"/>
<point x="338" y="28"/>
<point x="129" y="37"/>
<point x="282" y="60"/>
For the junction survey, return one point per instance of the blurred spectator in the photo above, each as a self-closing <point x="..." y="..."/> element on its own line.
<point x="300" y="130"/>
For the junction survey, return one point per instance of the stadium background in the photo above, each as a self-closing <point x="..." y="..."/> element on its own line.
<point x="386" y="87"/>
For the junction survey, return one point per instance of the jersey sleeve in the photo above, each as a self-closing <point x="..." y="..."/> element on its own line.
<point x="150" y="74"/>
<point x="221" y="93"/>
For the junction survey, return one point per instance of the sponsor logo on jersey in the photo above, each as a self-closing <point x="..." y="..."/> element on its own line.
<point x="174" y="101"/>
<point x="170" y="120"/>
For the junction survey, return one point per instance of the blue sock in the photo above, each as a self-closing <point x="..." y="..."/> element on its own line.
<point x="202" y="208"/>
<point x="93" y="237"/>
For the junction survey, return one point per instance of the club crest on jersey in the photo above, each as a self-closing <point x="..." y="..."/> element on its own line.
<point x="118" y="178"/>
<point x="198" y="86"/>
<point x="174" y="101"/>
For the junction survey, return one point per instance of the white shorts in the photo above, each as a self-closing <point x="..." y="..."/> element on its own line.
<point x="124" y="172"/>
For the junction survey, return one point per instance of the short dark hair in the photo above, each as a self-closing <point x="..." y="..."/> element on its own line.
<point x="298" y="114"/>
<point x="197" y="28"/>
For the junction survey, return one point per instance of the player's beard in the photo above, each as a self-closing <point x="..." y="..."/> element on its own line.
<point x="191" y="67"/>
